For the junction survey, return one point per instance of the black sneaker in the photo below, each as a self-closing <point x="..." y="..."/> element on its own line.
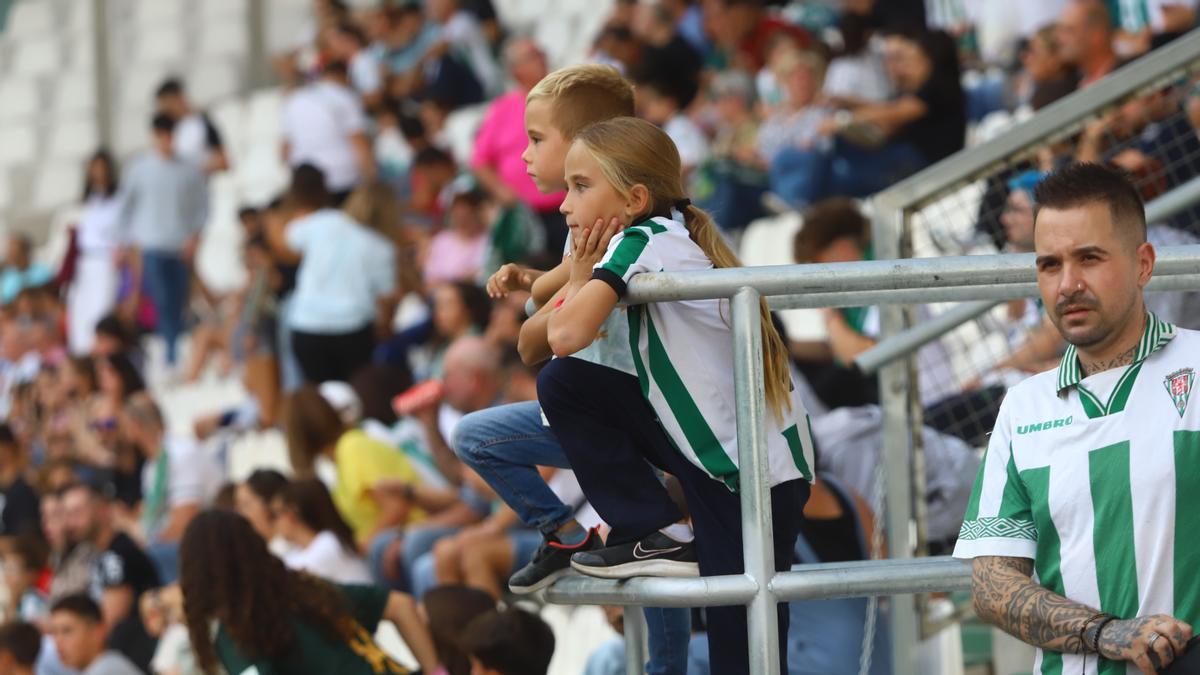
<point x="550" y="562"/>
<point x="654" y="556"/>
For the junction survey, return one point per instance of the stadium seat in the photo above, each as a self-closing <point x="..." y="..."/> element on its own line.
<point x="131" y="131"/>
<point x="19" y="142"/>
<point x="213" y="80"/>
<point x="163" y="44"/>
<point x="138" y="85"/>
<point x="157" y="13"/>
<point x="18" y="98"/>
<point x="74" y="94"/>
<point x="223" y="36"/>
<point x="5" y="190"/>
<point x="31" y="18"/>
<point x="222" y="8"/>
<point x="768" y="241"/>
<point x="230" y="119"/>
<point x="38" y="57"/>
<point x="73" y="139"/>
<point x="461" y="127"/>
<point x="55" y="185"/>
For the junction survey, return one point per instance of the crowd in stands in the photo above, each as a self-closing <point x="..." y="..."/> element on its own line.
<point x="385" y="301"/>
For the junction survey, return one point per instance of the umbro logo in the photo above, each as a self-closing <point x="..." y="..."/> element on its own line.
<point x="642" y="553"/>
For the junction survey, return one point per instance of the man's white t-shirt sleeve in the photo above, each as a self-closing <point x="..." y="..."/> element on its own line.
<point x="189" y="473"/>
<point x="999" y="518"/>
<point x="298" y="233"/>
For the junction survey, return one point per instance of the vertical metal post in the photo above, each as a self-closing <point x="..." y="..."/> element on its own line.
<point x="757" y="532"/>
<point x="256" y="51"/>
<point x="102" y="72"/>
<point x="888" y="229"/>
<point x="635" y="640"/>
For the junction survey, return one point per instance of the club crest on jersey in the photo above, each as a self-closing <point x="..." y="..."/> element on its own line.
<point x="1179" y="386"/>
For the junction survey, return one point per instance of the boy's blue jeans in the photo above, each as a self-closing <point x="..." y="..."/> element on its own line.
<point x="505" y="445"/>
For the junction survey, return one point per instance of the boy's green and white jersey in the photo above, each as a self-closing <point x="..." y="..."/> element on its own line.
<point x="683" y="355"/>
<point x="1097" y="479"/>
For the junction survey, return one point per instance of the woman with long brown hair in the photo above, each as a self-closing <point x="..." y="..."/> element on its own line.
<point x="281" y="621"/>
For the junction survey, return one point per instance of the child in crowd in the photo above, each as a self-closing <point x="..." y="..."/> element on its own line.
<point x="680" y="414"/>
<point x="506" y="444"/>
<point x="20" y="643"/>
<point x="509" y="642"/>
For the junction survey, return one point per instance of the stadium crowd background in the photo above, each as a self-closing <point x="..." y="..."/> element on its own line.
<point x="776" y="108"/>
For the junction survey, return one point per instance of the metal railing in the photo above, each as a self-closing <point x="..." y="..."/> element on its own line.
<point x="760" y="588"/>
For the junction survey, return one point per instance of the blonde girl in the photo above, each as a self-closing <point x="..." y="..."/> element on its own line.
<point x="629" y="214"/>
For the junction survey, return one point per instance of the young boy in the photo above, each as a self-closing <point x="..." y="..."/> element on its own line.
<point x="509" y="642"/>
<point x="505" y="444"/>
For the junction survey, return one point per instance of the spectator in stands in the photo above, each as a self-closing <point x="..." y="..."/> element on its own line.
<point x="345" y="269"/>
<point x="178" y="479"/>
<point x="93" y="292"/>
<point x="406" y="39"/>
<point x="457" y="252"/>
<point x="165" y="206"/>
<point x="121" y="573"/>
<point x="254" y="499"/>
<point x="741" y="30"/>
<point x="1085" y="39"/>
<point x="324" y="126"/>
<point x="857" y="70"/>
<point x="80" y="636"/>
<point x="459" y="309"/>
<point x="19" y="511"/>
<point x="348" y="43"/>
<point x="25" y="565"/>
<point x="509" y="642"/>
<point x="666" y="52"/>
<point x="461" y="33"/>
<point x="664" y="101"/>
<point x="196" y="139"/>
<point x="20" y="269"/>
<point x="450" y="609"/>
<point x="433" y="171"/>
<point x="277" y="620"/>
<point x="736" y="175"/>
<point x="20" y="643"/>
<point x="1046" y="76"/>
<point x="1147" y="24"/>
<point x="323" y="544"/>
<point x="314" y="430"/>
<point x="877" y="144"/>
<point x="70" y="560"/>
<point x="794" y="129"/>
<point x="496" y="155"/>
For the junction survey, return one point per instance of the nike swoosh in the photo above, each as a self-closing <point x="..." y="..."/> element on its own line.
<point x="641" y="553"/>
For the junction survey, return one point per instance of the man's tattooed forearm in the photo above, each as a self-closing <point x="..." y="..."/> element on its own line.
<point x="1005" y="596"/>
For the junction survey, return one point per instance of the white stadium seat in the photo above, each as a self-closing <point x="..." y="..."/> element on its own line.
<point x="73" y="139"/>
<point x="18" y="144"/>
<point x="162" y="44"/>
<point x="74" y="93"/>
<point x="212" y="81"/>
<point x="223" y="36"/>
<point x="38" y="57"/>
<point x="223" y="8"/>
<point x="5" y="190"/>
<point x="31" y="18"/>
<point x="56" y="185"/>
<point x="461" y="127"/>
<point x="156" y="13"/>
<point x="18" y="98"/>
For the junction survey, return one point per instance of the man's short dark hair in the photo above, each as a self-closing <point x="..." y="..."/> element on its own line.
<point x="7" y="437"/>
<point x="80" y="605"/>
<point x="431" y="156"/>
<point x="826" y="222"/>
<point x="352" y="30"/>
<point x="162" y="123"/>
<point x="308" y="188"/>
<point x="512" y="642"/>
<point x="22" y="640"/>
<point x="1088" y="183"/>
<point x="172" y="86"/>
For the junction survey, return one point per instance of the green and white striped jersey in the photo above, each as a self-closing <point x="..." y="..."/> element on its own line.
<point x="1097" y="479"/>
<point x="683" y="355"/>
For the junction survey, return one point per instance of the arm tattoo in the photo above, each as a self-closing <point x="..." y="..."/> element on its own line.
<point x="1101" y="366"/>
<point x="1006" y="597"/>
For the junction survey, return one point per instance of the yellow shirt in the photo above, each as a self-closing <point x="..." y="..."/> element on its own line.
<point x="361" y="462"/>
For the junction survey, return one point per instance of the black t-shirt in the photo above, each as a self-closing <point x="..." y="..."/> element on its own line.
<point x="18" y="508"/>
<point x="942" y="131"/>
<point x="124" y="564"/>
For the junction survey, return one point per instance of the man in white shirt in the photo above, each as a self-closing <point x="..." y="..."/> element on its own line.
<point x="324" y="125"/>
<point x="348" y="43"/>
<point x="178" y="479"/>
<point x="195" y="138"/>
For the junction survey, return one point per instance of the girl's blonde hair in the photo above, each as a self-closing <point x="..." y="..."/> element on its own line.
<point x="634" y="152"/>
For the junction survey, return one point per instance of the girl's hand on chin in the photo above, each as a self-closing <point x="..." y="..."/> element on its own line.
<point x="588" y="246"/>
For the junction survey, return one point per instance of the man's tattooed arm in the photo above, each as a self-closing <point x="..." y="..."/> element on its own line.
<point x="1005" y="596"/>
